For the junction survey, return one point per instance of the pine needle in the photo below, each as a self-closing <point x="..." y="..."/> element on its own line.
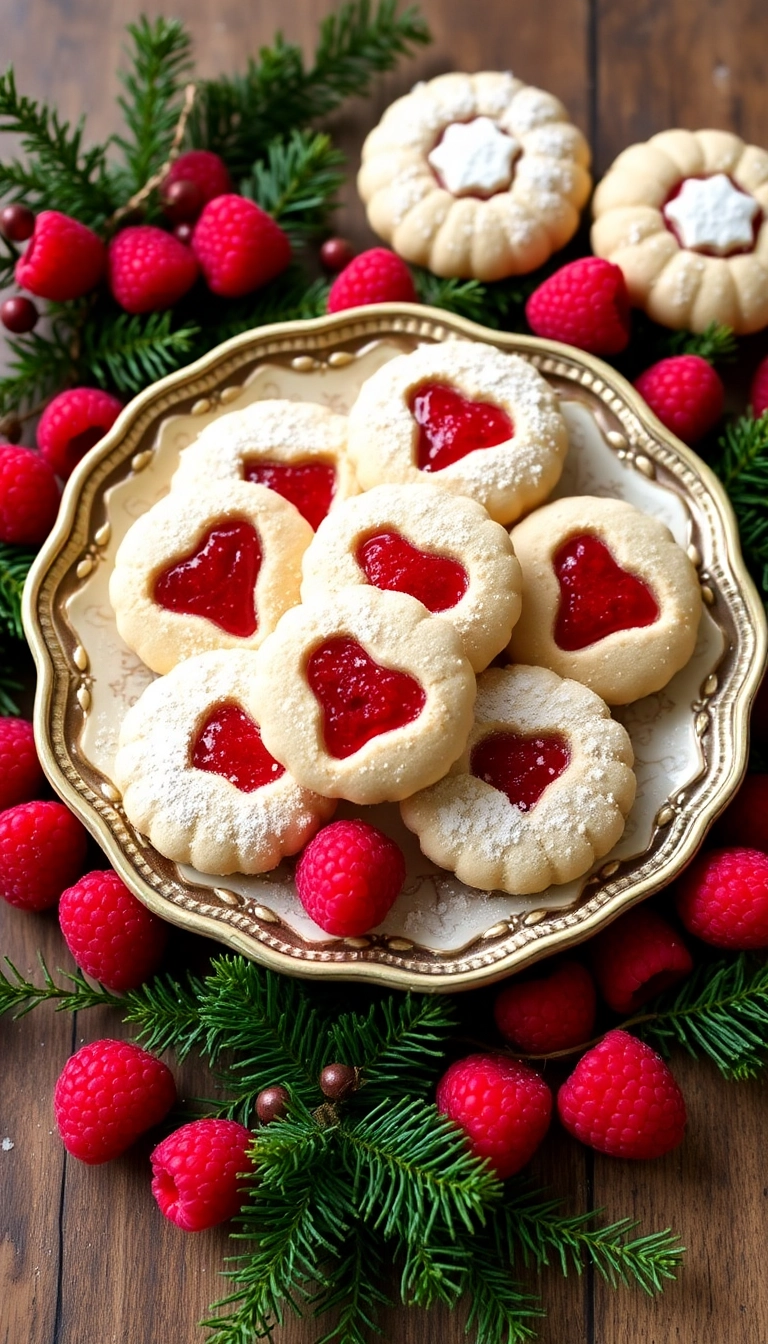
<point x="399" y="1045"/>
<point x="127" y="352"/>
<point x="160" y="62"/>
<point x="742" y="465"/>
<point x="298" y="183"/>
<point x="15" y="562"/>
<point x="716" y="343"/>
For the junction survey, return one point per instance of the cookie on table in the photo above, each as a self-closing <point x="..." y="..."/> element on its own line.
<point x="207" y="569"/>
<point x="475" y="175"/>
<point x="542" y="789"/>
<point x="609" y="598"/>
<point x="364" y="695"/>
<point x="442" y="549"/>
<point x="465" y="416"/>
<point x="197" y="779"/>
<point x="684" y="215"/>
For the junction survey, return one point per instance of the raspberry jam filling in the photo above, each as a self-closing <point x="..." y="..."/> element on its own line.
<point x="309" y="486"/>
<point x="359" y="698"/>
<point x="217" y="580"/>
<point x="390" y="562"/>
<point x="597" y="597"/>
<point x="521" y="767"/>
<point x="229" y="744"/>
<point x="450" y="426"/>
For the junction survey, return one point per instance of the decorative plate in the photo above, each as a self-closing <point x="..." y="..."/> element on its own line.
<point x="690" y="739"/>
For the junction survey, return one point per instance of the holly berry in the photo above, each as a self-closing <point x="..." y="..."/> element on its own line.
<point x="335" y="254"/>
<point x="184" y="232"/>
<point x="272" y="1104"/>
<point x="17" y="223"/>
<point x="338" y="1081"/>
<point x="19" y="314"/>
<point x="64" y="259"/>
<point x="182" y="200"/>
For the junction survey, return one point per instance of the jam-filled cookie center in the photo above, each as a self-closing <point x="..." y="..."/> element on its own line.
<point x="450" y="425"/>
<point x="359" y="698"/>
<point x="597" y="597"/>
<point x="521" y="767"/>
<point x="309" y="486"/>
<point x="713" y="216"/>
<point x="229" y="744"/>
<point x="474" y="158"/>
<point x="392" y="563"/>
<point x="217" y="580"/>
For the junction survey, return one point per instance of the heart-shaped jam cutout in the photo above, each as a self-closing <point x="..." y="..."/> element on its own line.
<point x="597" y="596"/>
<point x="359" y="698"/>
<point x="450" y="426"/>
<point x="229" y="744"/>
<point x="217" y="580"/>
<point x="310" y="486"/>
<point x="389" y="561"/>
<point x="521" y="767"/>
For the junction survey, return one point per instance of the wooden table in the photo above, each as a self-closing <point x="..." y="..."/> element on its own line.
<point x="85" y="1257"/>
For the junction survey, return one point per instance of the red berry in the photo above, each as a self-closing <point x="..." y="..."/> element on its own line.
<point x="585" y="304"/>
<point x="623" y="1100"/>
<point x="504" y="1108"/>
<point x="148" y="269"/>
<point x="184" y="233"/>
<point x="17" y="223"/>
<point x="29" y="496"/>
<point x="685" y="393"/>
<point x="758" y="395"/>
<point x="553" y="1012"/>
<point x="208" y="173"/>
<point x="638" y="957"/>
<point x="18" y="315"/>
<point x="239" y="246"/>
<point x="348" y="877"/>
<point x="64" y="258"/>
<point x="111" y="935"/>
<point x="745" y="821"/>
<point x="376" y="276"/>
<point x="72" y="423"/>
<point x="21" y="776"/>
<point x="336" y="253"/>
<point x="182" y="200"/>
<point x="107" y="1095"/>
<point x="197" y="1173"/>
<point x="42" y="851"/>
<point x="723" y="898"/>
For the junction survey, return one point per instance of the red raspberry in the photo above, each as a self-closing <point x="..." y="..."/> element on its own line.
<point x="745" y="821"/>
<point x="723" y="898"/>
<point x="375" y="276"/>
<point x="197" y="1173"/>
<point x="111" y="935"/>
<point x="42" y="851"/>
<point x="348" y="877"/>
<point x="72" y="423"/>
<point x="623" y="1100"/>
<point x="584" y="303"/>
<point x="29" y="496"/>
<point x="107" y="1095"/>
<point x="638" y="957"/>
<point x="503" y="1106"/>
<point x="553" y="1012"/>
<point x="758" y="394"/>
<point x="685" y="393"/>
<point x="239" y="246"/>
<point x="201" y="166"/>
<point x="21" y="776"/>
<point x="64" y="259"/>
<point x="149" y="269"/>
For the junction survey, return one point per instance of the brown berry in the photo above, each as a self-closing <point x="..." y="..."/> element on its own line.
<point x="338" y="1081"/>
<point x="17" y="223"/>
<point x="184" y="232"/>
<point x="272" y="1104"/>
<point x="18" y="314"/>
<point x="11" y="427"/>
<point x="336" y="253"/>
<point x="182" y="200"/>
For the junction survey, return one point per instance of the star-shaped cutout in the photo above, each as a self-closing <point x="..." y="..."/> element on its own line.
<point x="711" y="214"/>
<point x="474" y="158"/>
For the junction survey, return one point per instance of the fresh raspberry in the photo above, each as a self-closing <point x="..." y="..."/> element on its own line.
<point x="72" y="423"/>
<point x="375" y="276"/>
<point x="42" y="851"/>
<point x="111" y="935"/>
<point x="584" y="303"/>
<point x="553" y="1012"/>
<point x="197" y="1173"/>
<point x="723" y="898"/>
<point x="758" y="393"/>
<point x="149" y="269"/>
<point x="21" y="776"/>
<point x="623" y="1100"/>
<point x="745" y="821"/>
<point x="348" y="877"/>
<point x="685" y="393"/>
<point x="503" y="1106"/>
<point x="64" y="259"/>
<point x="201" y="166"/>
<point x="107" y="1095"/>
<point x="239" y="246"/>
<point x="29" y="496"/>
<point x="638" y="957"/>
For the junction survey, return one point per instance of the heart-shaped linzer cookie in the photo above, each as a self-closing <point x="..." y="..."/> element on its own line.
<point x="229" y="744"/>
<point x="450" y="426"/>
<point x="217" y="580"/>
<point x="359" y="698"/>
<point x="390" y="562"/>
<point x="597" y="597"/>
<point x="521" y="767"/>
<point x="309" y="486"/>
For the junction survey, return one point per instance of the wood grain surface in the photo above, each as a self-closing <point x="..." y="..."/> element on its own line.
<point x="85" y="1257"/>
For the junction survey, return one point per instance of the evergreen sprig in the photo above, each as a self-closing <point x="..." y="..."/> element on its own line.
<point x="298" y="182"/>
<point x="159" y="63"/>
<point x="742" y="465"/>
<point x="15" y="563"/>
<point x="716" y="343"/>
<point x="127" y="352"/>
<point x="38" y="366"/>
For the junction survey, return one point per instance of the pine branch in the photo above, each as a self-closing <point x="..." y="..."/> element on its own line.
<point x="160" y="61"/>
<point x="298" y="183"/>
<point x="288" y="298"/>
<point x="500" y="1310"/>
<point x="499" y="304"/>
<point x="398" y="1044"/>
<point x="127" y="352"/>
<point x="15" y="563"/>
<point x="434" y="1269"/>
<point x="9" y="682"/>
<point x="38" y="366"/>
<point x="355" y="1290"/>
<point x="20" y="996"/>
<point x="743" y="468"/>
<point x="716" y="343"/>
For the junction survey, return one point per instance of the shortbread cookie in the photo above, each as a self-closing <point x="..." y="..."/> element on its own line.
<point x="297" y="448"/>
<point x="212" y="569"/>
<point x="685" y="216"/>
<point x="442" y="549"/>
<point x="609" y="598"/>
<point x="465" y="416"/>
<point x="542" y="789"/>
<point x="364" y="695"/>
<point x="475" y="175"/>
<point x="197" y="779"/>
